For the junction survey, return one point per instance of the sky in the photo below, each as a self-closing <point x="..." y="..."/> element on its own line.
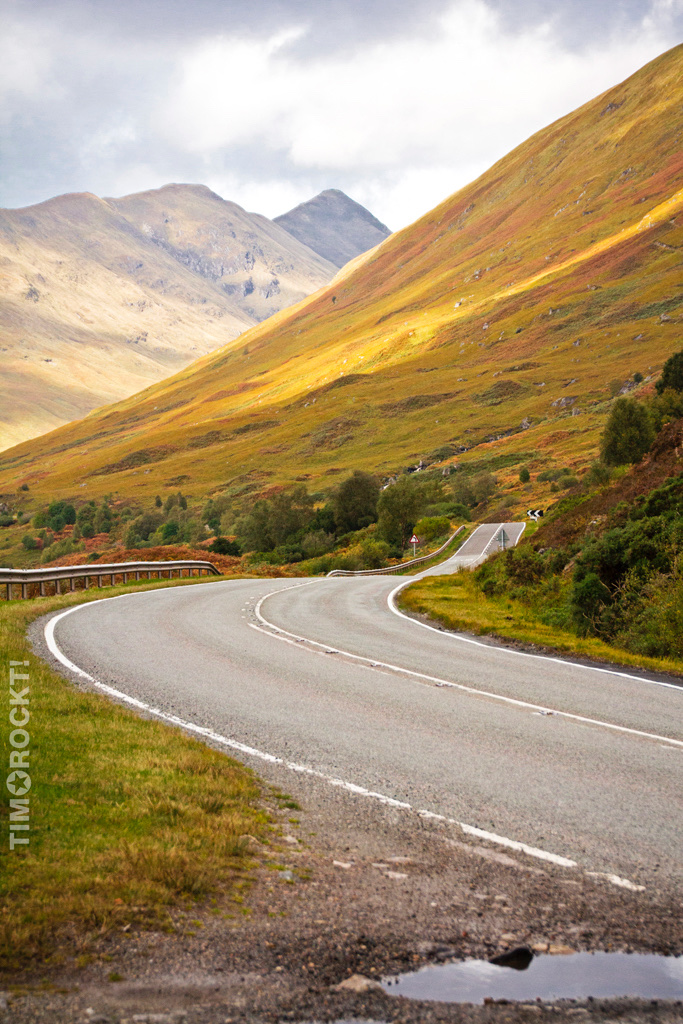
<point x="399" y="103"/>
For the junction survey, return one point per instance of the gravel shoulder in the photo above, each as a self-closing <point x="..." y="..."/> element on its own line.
<point x="349" y="886"/>
<point x="353" y="887"/>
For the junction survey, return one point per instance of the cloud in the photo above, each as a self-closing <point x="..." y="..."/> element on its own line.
<point x="268" y="102"/>
<point x="427" y="106"/>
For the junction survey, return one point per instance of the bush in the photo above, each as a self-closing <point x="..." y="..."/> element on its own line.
<point x="374" y="553"/>
<point x="60" y="549"/>
<point x="169" y="532"/>
<point x="598" y="474"/>
<point x="432" y="527"/>
<point x="6" y="520"/>
<point x="524" y="475"/>
<point x="628" y="433"/>
<point x="355" y="503"/>
<point x="30" y="542"/>
<point x="672" y="374"/>
<point x="398" y="508"/>
<point x="223" y="546"/>
<point x="588" y="598"/>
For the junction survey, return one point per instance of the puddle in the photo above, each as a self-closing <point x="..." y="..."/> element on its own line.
<point x="575" y="976"/>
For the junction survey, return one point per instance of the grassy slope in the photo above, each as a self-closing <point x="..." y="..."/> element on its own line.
<point x="458" y="603"/>
<point x="553" y="274"/>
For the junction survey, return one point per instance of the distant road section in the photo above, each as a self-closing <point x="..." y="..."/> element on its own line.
<point x="486" y="539"/>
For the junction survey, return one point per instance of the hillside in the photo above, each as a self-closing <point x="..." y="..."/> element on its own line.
<point x="102" y="297"/>
<point x="334" y="226"/>
<point x="499" y="325"/>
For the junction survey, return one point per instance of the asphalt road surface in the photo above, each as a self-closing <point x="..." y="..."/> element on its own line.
<point x="583" y="764"/>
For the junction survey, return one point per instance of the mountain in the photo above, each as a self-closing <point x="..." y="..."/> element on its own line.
<point x="496" y="329"/>
<point x="257" y="264"/>
<point x="334" y="226"/>
<point x="102" y="297"/>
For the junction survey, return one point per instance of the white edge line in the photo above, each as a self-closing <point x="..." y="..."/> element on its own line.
<point x="350" y="787"/>
<point x="281" y="634"/>
<point x="391" y="601"/>
<point x="243" y="748"/>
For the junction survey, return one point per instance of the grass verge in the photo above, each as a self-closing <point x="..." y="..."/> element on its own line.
<point x="128" y="817"/>
<point x="458" y="604"/>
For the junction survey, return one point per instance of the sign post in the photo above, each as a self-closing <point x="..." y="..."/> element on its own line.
<point x="502" y="539"/>
<point x="414" y="540"/>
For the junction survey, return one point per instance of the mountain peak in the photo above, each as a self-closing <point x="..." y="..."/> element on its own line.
<point x="334" y="225"/>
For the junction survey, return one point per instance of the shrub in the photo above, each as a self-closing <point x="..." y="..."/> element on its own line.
<point x="224" y="546"/>
<point x="434" y="526"/>
<point x="398" y="508"/>
<point x="30" y="542"/>
<point x="355" y="502"/>
<point x="588" y="598"/>
<point x="374" y="553"/>
<point x="169" y="532"/>
<point x="598" y="474"/>
<point x="628" y="433"/>
<point x="524" y="475"/>
<point x="672" y="374"/>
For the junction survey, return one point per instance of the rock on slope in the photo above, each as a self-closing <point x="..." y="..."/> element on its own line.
<point x="334" y="226"/>
<point x="101" y="298"/>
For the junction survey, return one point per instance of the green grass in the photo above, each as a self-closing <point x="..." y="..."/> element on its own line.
<point x="128" y="817"/>
<point x="458" y="604"/>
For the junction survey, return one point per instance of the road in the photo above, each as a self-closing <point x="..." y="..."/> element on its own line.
<point x="579" y="764"/>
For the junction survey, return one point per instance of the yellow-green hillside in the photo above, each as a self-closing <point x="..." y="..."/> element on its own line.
<point x="527" y="298"/>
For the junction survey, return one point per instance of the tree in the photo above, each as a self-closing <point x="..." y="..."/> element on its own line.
<point x="355" y="503"/>
<point x="158" y="502"/>
<point x="672" y="374"/>
<point x="524" y="475"/>
<point x="398" y="508"/>
<point x="628" y="433"/>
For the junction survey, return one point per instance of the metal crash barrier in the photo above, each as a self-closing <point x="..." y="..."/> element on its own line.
<point x="392" y="570"/>
<point x="57" y="574"/>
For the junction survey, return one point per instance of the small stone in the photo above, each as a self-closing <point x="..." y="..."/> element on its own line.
<point x="287" y="876"/>
<point x="395" y="874"/>
<point x="342" y="864"/>
<point x="518" y="958"/>
<point x="559" y="950"/>
<point x="291" y="839"/>
<point x="508" y="937"/>
<point x="356" y="983"/>
<point x="540" y="947"/>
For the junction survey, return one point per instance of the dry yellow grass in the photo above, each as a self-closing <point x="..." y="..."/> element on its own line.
<point x="520" y="301"/>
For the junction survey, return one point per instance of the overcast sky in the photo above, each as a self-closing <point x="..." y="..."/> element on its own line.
<point x="396" y="102"/>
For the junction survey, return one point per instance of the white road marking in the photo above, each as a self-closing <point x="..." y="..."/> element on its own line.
<point x="250" y="751"/>
<point x="284" y="634"/>
<point x="349" y="787"/>
<point x="391" y="601"/>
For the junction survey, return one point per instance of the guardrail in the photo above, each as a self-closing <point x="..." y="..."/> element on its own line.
<point x="57" y="573"/>
<point x="392" y="570"/>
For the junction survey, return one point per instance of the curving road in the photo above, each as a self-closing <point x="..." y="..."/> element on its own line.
<point x="578" y="764"/>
